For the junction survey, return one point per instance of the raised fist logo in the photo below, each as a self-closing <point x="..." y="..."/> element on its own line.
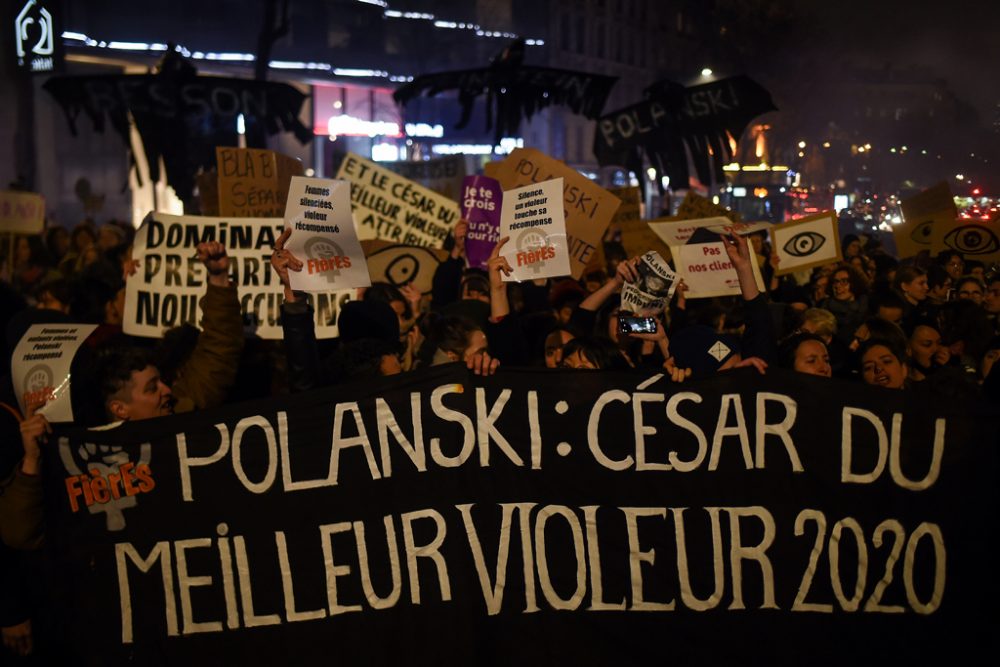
<point x="106" y="480"/>
<point x="320" y="247"/>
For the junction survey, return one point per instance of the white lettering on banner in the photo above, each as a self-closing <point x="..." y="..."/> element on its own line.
<point x="687" y="448"/>
<point x="580" y="548"/>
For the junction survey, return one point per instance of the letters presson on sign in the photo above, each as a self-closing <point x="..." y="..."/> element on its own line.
<point x="489" y="505"/>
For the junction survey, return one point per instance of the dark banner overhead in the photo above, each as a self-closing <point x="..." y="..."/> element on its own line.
<point x="534" y="518"/>
<point x="181" y="118"/>
<point x="514" y="91"/>
<point x="703" y="122"/>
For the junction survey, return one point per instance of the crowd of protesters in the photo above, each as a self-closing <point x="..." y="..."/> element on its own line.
<point x="870" y="318"/>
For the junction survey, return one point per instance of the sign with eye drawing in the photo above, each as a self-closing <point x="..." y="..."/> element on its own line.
<point x="806" y="242"/>
<point x="975" y="239"/>
<point x="922" y="214"/>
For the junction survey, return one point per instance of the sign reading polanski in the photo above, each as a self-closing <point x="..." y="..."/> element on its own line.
<point x="390" y="207"/>
<point x="166" y="290"/>
<point x="529" y="513"/>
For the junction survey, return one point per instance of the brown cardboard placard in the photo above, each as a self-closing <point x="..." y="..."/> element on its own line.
<point x="252" y="182"/>
<point x="399" y="264"/>
<point x="921" y="213"/>
<point x="975" y="239"/>
<point x="589" y="208"/>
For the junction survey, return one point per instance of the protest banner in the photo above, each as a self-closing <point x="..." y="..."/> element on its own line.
<point x="41" y="364"/>
<point x="390" y="207"/>
<point x="806" y="242"/>
<point x="166" y="290"/>
<point x="975" y="239"/>
<point x="921" y="213"/>
<point x="482" y="198"/>
<point x="601" y="517"/>
<point x="323" y="236"/>
<point x="253" y="183"/>
<point x="700" y="257"/>
<point x="532" y="217"/>
<point x="443" y="175"/>
<point x="21" y="212"/>
<point x="589" y="208"/>
<point x="651" y="293"/>
<point x="400" y="265"/>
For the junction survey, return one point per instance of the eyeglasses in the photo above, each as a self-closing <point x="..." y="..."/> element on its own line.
<point x="955" y="262"/>
<point x="968" y="293"/>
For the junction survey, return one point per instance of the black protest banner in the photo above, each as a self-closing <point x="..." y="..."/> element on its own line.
<point x="586" y="517"/>
<point x="180" y="117"/>
<point x="703" y="121"/>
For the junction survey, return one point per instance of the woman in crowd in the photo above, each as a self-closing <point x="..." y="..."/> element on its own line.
<point x="31" y="264"/>
<point x="805" y="353"/>
<point x="911" y="283"/>
<point x="883" y="364"/>
<point x="849" y="301"/>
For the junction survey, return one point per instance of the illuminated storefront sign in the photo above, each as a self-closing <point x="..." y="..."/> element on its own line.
<point x="349" y="126"/>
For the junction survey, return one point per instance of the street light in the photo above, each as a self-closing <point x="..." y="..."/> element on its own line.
<point x="706" y="71"/>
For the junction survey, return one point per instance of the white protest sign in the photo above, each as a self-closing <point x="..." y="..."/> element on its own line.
<point x="393" y="208"/>
<point x="532" y="216"/>
<point x="705" y="266"/>
<point x="707" y="271"/>
<point x="806" y="242"/>
<point x="323" y="236"/>
<point x="166" y="290"/>
<point x="41" y="363"/>
<point x="651" y="293"/>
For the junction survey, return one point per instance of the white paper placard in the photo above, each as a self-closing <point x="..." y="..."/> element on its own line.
<point x="323" y="236"/>
<point x="41" y="362"/>
<point x="532" y="216"/>
<point x="707" y="271"/>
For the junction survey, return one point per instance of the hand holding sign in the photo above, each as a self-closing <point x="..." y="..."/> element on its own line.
<point x="283" y="261"/>
<point x="35" y="430"/>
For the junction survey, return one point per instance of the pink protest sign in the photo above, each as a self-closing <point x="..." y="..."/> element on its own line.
<point x="481" y="201"/>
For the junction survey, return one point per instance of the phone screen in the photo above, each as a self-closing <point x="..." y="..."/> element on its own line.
<point x="629" y="324"/>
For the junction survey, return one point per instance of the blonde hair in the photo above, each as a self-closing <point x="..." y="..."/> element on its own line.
<point x="823" y="321"/>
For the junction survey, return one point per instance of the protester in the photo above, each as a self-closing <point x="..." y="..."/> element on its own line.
<point x="883" y="364"/>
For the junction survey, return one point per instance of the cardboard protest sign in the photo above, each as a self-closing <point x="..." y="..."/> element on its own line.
<point x="532" y="217"/>
<point x="695" y="206"/>
<point x="588" y="207"/>
<point x="166" y="290"/>
<point x="806" y="242"/>
<point x="390" y="207"/>
<point x="41" y="364"/>
<point x="253" y="183"/>
<point x="652" y="292"/>
<point x="921" y="213"/>
<point x="21" y="212"/>
<point x="700" y="257"/>
<point x="400" y="265"/>
<point x="323" y="236"/>
<point x="975" y="239"/>
<point x="443" y="175"/>
<point x="436" y="517"/>
<point x="482" y="198"/>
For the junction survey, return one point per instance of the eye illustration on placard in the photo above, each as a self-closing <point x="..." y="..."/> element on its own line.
<point x="804" y="244"/>
<point x="972" y="240"/>
<point x="922" y="233"/>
